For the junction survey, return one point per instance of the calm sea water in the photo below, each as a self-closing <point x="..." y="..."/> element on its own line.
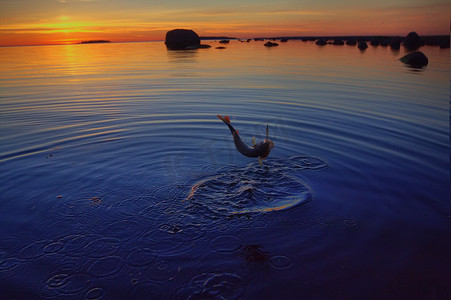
<point x="118" y="181"/>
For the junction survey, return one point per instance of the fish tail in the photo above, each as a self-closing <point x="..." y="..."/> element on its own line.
<point x="226" y="120"/>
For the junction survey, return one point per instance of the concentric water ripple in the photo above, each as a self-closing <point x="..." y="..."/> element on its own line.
<point x="254" y="189"/>
<point x="141" y="257"/>
<point x="214" y="286"/>
<point x="106" y="266"/>
<point x="118" y="181"/>
<point x="63" y="285"/>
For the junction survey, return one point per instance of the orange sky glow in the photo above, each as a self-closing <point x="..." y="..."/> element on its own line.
<point x="36" y="22"/>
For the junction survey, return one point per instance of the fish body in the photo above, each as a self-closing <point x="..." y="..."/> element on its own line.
<point x="260" y="150"/>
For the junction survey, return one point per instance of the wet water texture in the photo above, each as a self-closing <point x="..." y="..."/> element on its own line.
<point x="118" y="181"/>
<point x="254" y="189"/>
<point x="146" y="254"/>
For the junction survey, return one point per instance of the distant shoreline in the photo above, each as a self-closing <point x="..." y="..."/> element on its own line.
<point x="212" y="38"/>
<point x="347" y="37"/>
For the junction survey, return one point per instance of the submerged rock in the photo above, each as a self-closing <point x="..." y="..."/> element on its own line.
<point x="415" y="59"/>
<point x="182" y="39"/>
<point x="321" y="42"/>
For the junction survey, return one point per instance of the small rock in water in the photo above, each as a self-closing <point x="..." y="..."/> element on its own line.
<point x="270" y="44"/>
<point x="412" y="41"/>
<point x="362" y="45"/>
<point x="395" y="43"/>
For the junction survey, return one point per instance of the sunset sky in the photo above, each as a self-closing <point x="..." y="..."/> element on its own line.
<point x="31" y="22"/>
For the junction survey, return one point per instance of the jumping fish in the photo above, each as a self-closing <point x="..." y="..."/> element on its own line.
<point x="260" y="150"/>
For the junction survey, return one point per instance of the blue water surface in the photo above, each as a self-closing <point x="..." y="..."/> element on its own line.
<point x="118" y="181"/>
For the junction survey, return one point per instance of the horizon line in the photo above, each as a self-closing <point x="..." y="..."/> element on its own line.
<point x="232" y="38"/>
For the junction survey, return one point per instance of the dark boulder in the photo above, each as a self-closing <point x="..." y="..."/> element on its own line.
<point x="351" y="42"/>
<point x="224" y="41"/>
<point x="321" y="42"/>
<point x="412" y="41"/>
<point x="415" y="59"/>
<point x="271" y="44"/>
<point x="395" y="43"/>
<point x="181" y="39"/>
<point x="362" y="45"/>
<point x="338" y="42"/>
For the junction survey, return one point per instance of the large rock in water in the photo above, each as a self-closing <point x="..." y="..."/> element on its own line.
<point x="415" y="59"/>
<point x="181" y="39"/>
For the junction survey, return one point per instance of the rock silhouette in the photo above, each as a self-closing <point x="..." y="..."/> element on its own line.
<point x="182" y="39"/>
<point x="395" y="43"/>
<point x="271" y="44"/>
<point x="415" y="59"/>
<point x="412" y="41"/>
<point x="362" y="45"/>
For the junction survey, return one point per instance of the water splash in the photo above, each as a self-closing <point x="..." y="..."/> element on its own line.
<point x="254" y="189"/>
